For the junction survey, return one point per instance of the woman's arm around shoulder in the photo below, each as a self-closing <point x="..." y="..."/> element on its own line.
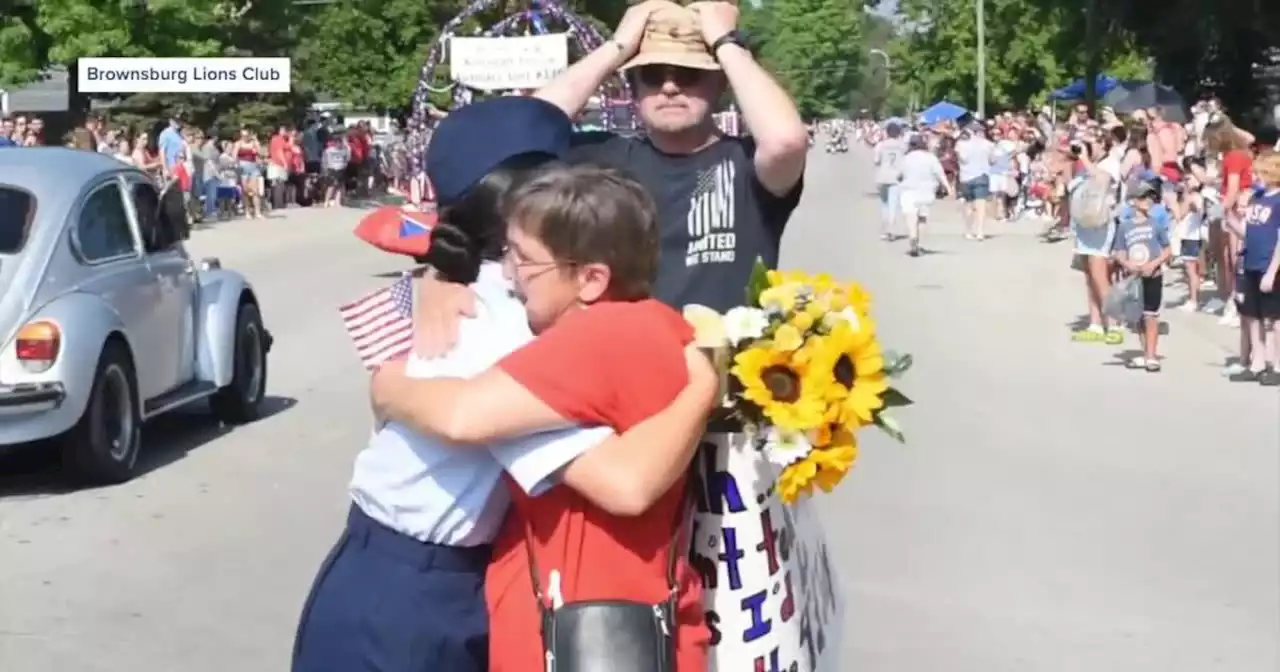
<point x="625" y="475"/>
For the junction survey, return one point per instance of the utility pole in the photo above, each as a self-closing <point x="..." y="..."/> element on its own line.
<point x="888" y="67"/>
<point x="982" y="60"/>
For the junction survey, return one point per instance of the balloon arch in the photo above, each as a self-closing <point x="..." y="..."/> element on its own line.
<point x="534" y="20"/>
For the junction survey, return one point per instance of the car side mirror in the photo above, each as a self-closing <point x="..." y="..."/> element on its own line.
<point x="172" y="213"/>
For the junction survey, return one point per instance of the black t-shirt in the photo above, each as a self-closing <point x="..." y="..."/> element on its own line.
<point x="715" y="217"/>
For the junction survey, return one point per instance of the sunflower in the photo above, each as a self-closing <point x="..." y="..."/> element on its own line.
<point x="791" y="394"/>
<point x="835" y="461"/>
<point x="855" y="361"/>
<point x="858" y="297"/>
<point x="822" y="467"/>
<point x="797" y="480"/>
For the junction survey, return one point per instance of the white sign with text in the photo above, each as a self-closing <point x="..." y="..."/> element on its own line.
<point x="773" y="601"/>
<point x="499" y="63"/>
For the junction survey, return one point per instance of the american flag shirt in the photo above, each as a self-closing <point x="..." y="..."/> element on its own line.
<point x="380" y="324"/>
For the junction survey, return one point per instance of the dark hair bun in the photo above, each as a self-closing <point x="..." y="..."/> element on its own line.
<point x="453" y="254"/>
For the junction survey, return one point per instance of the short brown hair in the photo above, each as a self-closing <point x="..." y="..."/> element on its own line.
<point x="1267" y="168"/>
<point x="591" y="215"/>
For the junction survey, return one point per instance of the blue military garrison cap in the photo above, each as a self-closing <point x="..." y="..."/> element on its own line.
<point x="477" y="138"/>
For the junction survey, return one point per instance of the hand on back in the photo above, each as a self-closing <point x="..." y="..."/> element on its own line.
<point x="439" y="307"/>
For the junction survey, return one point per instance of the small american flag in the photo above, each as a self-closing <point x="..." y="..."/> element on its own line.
<point x="706" y="182"/>
<point x="381" y="324"/>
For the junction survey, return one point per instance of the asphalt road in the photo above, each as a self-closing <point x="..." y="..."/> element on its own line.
<point x="1054" y="511"/>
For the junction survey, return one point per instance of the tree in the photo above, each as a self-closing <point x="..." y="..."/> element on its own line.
<point x="38" y="34"/>
<point x="369" y="52"/>
<point x="1032" y="47"/>
<point x="815" y="49"/>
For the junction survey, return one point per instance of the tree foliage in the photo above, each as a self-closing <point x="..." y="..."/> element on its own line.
<point x="815" y="49"/>
<point x="36" y="35"/>
<point x="1032" y="47"/>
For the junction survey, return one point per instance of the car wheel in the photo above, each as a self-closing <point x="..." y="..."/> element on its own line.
<point x="103" y="446"/>
<point x="241" y="400"/>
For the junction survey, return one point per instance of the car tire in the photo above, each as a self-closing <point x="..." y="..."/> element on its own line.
<point x="241" y="400"/>
<point x="103" y="446"/>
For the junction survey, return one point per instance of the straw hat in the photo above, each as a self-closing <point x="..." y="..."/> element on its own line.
<point x="672" y="37"/>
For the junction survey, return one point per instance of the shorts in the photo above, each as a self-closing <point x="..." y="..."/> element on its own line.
<point x="1004" y="185"/>
<point x="977" y="189"/>
<point x="250" y="169"/>
<point x="1190" y="250"/>
<point x="1254" y="303"/>
<point x="331" y="177"/>
<point x="1095" y="242"/>
<point x="1152" y="295"/>
<point x="915" y="205"/>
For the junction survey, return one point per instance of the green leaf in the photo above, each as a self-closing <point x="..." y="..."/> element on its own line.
<point x="892" y="398"/>
<point x="896" y="364"/>
<point x="890" y="426"/>
<point x="757" y="283"/>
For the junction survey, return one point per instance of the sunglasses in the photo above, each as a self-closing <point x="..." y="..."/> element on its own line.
<point x="655" y="76"/>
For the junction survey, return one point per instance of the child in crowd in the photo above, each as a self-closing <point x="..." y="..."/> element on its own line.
<point x="1191" y="237"/>
<point x="335" y="159"/>
<point x="1142" y="248"/>
<point x="1257" y="298"/>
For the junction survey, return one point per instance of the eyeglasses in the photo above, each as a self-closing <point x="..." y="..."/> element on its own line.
<point x="655" y="76"/>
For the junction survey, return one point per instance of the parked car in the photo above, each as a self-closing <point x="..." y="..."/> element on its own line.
<point x="105" y="320"/>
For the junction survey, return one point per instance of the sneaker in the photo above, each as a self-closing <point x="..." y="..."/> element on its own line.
<point x="1269" y="378"/>
<point x="1229" y="316"/>
<point x="1234" y="368"/>
<point x="1138" y="362"/>
<point x="1245" y="376"/>
<point x="1189" y="307"/>
<point x="1091" y="334"/>
<point x="1214" y="306"/>
<point x="1153" y="365"/>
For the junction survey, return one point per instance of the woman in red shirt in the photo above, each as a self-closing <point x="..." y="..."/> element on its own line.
<point x="582" y="252"/>
<point x="1223" y="139"/>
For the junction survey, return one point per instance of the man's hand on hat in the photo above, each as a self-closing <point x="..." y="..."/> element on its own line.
<point x="716" y="19"/>
<point x="630" y="29"/>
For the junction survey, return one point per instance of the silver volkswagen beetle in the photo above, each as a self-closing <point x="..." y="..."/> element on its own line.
<point x="105" y="321"/>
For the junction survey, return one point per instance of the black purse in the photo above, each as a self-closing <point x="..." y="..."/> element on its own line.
<point x="610" y="635"/>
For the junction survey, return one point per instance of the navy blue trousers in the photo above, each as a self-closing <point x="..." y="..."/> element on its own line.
<point x="384" y="602"/>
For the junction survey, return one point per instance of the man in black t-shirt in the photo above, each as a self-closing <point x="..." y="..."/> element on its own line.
<point x="723" y="201"/>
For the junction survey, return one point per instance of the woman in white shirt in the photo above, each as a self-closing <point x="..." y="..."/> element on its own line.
<point x="921" y="176"/>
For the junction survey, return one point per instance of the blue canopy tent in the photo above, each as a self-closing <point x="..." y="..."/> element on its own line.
<point x="1075" y="90"/>
<point x="940" y="112"/>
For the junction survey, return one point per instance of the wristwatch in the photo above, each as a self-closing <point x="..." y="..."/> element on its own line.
<point x="732" y="37"/>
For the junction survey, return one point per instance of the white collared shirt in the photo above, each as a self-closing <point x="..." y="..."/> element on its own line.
<point x="432" y="491"/>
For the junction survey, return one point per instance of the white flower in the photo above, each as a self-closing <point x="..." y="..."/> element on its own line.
<point x="743" y="323"/>
<point x="785" y="447"/>
<point x="848" y="315"/>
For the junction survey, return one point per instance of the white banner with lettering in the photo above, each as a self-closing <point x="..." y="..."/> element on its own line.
<point x="498" y="63"/>
<point x="773" y="601"/>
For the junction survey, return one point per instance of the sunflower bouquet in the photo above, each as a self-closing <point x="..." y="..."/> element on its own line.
<point x="804" y="373"/>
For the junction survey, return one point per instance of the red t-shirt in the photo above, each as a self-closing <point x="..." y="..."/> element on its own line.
<point x="1237" y="162"/>
<point x="279" y="150"/>
<point x="359" y="145"/>
<point x="612" y="364"/>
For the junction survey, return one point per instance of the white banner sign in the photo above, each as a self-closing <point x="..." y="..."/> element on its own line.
<point x="773" y="600"/>
<point x="497" y="63"/>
